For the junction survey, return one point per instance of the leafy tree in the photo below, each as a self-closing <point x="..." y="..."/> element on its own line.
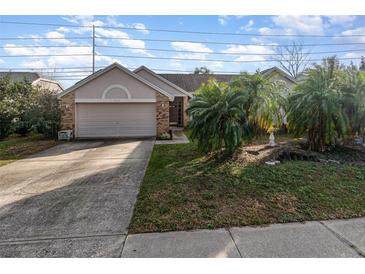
<point x="202" y="70"/>
<point x="362" y="63"/>
<point x="14" y="105"/>
<point x="316" y="106"/>
<point x="264" y="100"/>
<point x="24" y="109"/>
<point x="218" y="117"/>
<point x="45" y="115"/>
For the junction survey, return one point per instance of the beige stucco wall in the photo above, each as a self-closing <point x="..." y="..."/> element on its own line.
<point x="95" y="88"/>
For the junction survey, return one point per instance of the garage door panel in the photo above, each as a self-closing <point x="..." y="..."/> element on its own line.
<point x="116" y="120"/>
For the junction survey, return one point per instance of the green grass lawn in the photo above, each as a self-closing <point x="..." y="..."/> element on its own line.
<point x="15" y="148"/>
<point x="183" y="190"/>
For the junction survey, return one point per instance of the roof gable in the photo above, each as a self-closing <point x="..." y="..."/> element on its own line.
<point x="160" y="79"/>
<point x="279" y="71"/>
<point x="106" y="70"/>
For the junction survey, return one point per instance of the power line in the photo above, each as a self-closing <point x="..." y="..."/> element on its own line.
<point x="100" y="67"/>
<point x="207" y="60"/>
<point x="184" y="31"/>
<point x="179" y="51"/>
<point x="44" y="55"/>
<point x="224" y="53"/>
<point x="45" y="46"/>
<point x="228" y="43"/>
<point x="183" y="41"/>
<point x="48" y="68"/>
<point x="43" y="38"/>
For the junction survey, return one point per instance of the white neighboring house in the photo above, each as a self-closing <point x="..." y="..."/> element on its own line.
<point x="35" y="79"/>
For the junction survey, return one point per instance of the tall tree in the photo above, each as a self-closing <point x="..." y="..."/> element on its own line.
<point x="202" y="70"/>
<point x="353" y="89"/>
<point x="264" y="100"/>
<point x="362" y="63"/>
<point x="293" y="59"/>
<point x="316" y="107"/>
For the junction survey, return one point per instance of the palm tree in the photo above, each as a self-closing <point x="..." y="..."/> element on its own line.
<point x="218" y="119"/>
<point x="353" y="88"/>
<point x="265" y="101"/>
<point x="316" y="107"/>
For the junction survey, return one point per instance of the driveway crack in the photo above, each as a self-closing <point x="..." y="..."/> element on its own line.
<point x="343" y="239"/>
<point x="230" y="234"/>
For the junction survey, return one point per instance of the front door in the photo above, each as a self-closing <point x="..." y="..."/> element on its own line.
<point x="176" y="113"/>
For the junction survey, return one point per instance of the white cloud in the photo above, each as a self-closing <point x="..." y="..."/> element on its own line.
<point x="341" y="19"/>
<point x="251" y="50"/>
<point x="356" y="31"/>
<point x="63" y="29"/>
<point x="112" y="20"/>
<point x="33" y="64"/>
<point x="2" y="61"/>
<point x="54" y="34"/>
<point x="216" y="65"/>
<point x="223" y="19"/>
<point x="190" y="46"/>
<point x="58" y="37"/>
<point x="295" y="24"/>
<point x="53" y="60"/>
<point x="202" y="50"/>
<point x="134" y="45"/>
<point x="248" y="26"/>
<point x="141" y="27"/>
<point x="352" y="55"/>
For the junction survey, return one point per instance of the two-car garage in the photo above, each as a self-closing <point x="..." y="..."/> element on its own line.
<point x="95" y="120"/>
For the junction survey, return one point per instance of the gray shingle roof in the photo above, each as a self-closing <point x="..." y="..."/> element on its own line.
<point x="20" y="76"/>
<point x="191" y="82"/>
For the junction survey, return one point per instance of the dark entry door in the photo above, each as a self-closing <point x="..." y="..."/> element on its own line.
<point x="176" y="118"/>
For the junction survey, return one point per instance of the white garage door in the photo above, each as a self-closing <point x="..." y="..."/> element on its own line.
<point x="116" y="120"/>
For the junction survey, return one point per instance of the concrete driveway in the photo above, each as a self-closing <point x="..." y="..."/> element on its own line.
<point x="73" y="200"/>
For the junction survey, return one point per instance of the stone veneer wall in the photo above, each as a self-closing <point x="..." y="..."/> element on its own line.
<point x="67" y="107"/>
<point x="162" y="114"/>
<point x="185" y="113"/>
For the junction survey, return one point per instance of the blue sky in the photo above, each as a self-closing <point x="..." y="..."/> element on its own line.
<point x="257" y="25"/>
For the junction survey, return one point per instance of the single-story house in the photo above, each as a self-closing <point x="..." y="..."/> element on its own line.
<point x="35" y="79"/>
<point x="117" y="102"/>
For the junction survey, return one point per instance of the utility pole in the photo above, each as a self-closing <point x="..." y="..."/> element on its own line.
<point x="93" y="48"/>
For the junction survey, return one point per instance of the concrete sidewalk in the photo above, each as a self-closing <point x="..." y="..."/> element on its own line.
<point x="337" y="238"/>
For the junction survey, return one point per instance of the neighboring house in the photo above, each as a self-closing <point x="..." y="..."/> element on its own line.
<point x="117" y="102"/>
<point x="35" y="79"/>
<point x="191" y="82"/>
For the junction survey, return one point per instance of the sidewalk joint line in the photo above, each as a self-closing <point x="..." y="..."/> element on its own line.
<point x="35" y="239"/>
<point x="343" y="239"/>
<point x="230" y="234"/>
